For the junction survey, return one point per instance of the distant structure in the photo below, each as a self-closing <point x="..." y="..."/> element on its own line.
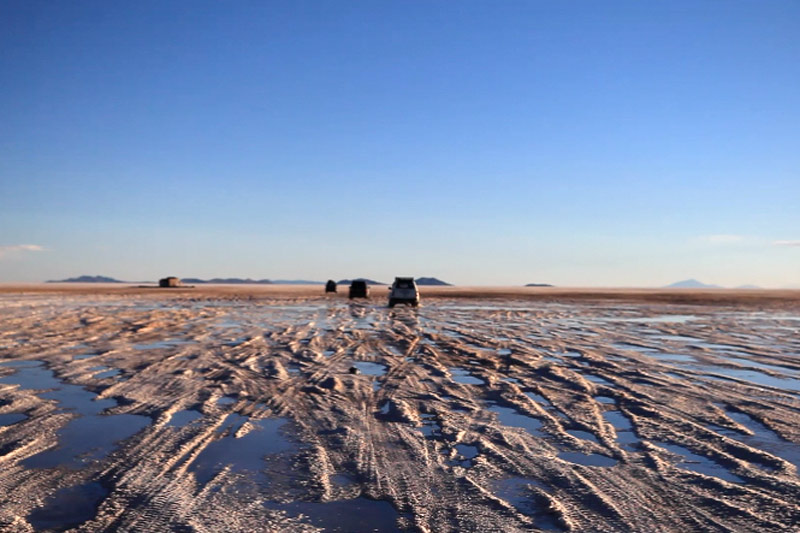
<point x="170" y="281"/>
<point x="330" y="286"/>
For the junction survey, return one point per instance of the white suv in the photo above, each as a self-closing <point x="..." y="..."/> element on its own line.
<point x="403" y="290"/>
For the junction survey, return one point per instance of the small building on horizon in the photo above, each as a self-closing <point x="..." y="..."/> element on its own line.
<point x="169" y="281"/>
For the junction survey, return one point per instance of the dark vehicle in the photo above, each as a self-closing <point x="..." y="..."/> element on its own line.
<point x="330" y="286"/>
<point x="403" y="291"/>
<point x="359" y="289"/>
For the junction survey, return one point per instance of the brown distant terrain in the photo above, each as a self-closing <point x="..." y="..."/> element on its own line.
<point x="677" y="296"/>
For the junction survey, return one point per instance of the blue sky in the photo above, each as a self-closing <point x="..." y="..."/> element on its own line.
<point x="487" y="143"/>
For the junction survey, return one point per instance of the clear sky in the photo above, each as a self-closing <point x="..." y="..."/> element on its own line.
<point x="620" y="143"/>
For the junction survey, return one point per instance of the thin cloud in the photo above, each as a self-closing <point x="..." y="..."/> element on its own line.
<point x="786" y="243"/>
<point x="13" y="249"/>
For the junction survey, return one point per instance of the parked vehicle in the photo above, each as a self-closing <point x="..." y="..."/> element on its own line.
<point x="359" y="289"/>
<point x="404" y="291"/>
<point x="330" y="286"/>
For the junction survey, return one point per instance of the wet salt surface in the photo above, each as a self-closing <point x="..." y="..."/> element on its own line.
<point x="243" y="454"/>
<point x="593" y="459"/>
<point x="91" y="436"/>
<point x="585" y="435"/>
<point x="511" y="417"/>
<point x="673" y="352"/>
<point x="622" y="425"/>
<point x="182" y="418"/>
<point x="762" y="439"/>
<point x="11" y="418"/>
<point x="369" y="368"/>
<point x="516" y="492"/>
<point x="463" y="376"/>
<point x="345" y="516"/>
<point x="699" y="463"/>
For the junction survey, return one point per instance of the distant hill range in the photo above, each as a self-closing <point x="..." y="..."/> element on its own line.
<point x="369" y="281"/>
<point x="432" y="282"/>
<point x="87" y="279"/>
<point x="227" y="281"/>
<point x="538" y="285"/>
<point x="691" y="284"/>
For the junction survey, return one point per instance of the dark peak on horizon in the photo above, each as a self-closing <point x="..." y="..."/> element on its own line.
<point x="433" y="281"/>
<point x="369" y="281"/>
<point x="691" y="284"/>
<point x="86" y="279"/>
<point x="538" y="285"/>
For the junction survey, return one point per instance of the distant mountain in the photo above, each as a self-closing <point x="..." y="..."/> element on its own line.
<point x="296" y="282"/>
<point x="748" y="287"/>
<point x="369" y="281"/>
<point x="538" y="285"/>
<point x="433" y="281"/>
<point x="87" y="279"/>
<point x="691" y="284"/>
<point x="227" y="281"/>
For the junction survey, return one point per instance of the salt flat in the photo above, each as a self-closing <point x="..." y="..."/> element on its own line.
<point x="236" y="409"/>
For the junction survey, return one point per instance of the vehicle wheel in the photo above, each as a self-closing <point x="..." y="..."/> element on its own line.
<point x="415" y="303"/>
<point x="391" y="303"/>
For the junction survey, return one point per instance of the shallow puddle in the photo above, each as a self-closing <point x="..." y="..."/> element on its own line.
<point x="430" y="425"/>
<point x="623" y="427"/>
<point x="516" y="492"/>
<point x="345" y="516"/>
<point x="107" y="374"/>
<point x="756" y="377"/>
<point x="593" y="459"/>
<point x="698" y="463"/>
<point x="69" y="507"/>
<point x="243" y="454"/>
<point x="511" y="417"/>
<point x="677" y="357"/>
<point x="585" y="435"/>
<point x="463" y="376"/>
<point x="762" y="439"/>
<point x="597" y="379"/>
<point x="181" y="418"/>
<point x="226" y="400"/>
<point x="160" y="344"/>
<point x="11" y="418"/>
<point x="369" y="368"/>
<point x="86" y="439"/>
